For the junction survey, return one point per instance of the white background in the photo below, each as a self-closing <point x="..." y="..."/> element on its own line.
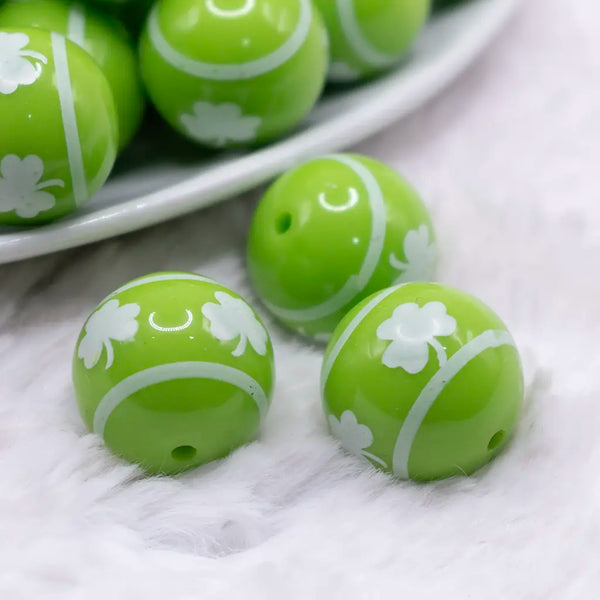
<point x="509" y="162"/>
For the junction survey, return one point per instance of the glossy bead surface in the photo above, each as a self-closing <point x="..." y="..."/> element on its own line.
<point x="233" y="72"/>
<point x="173" y="370"/>
<point x="423" y="380"/>
<point x="332" y="231"/>
<point x="58" y="127"/>
<point x="104" y="39"/>
<point x="369" y="36"/>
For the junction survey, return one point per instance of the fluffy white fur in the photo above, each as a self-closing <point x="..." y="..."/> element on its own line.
<point x="508" y="162"/>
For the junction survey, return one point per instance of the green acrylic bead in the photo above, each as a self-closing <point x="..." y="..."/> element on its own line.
<point x="58" y="126"/>
<point x="423" y="380"/>
<point x="332" y="231"/>
<point x="173" y="370"/>
<point x="104" y="39"/>
<point x="369" y="36"/>
<point x="233" y="72"/>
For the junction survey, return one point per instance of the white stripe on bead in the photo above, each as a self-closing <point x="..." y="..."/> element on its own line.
<point x="232" y="72"/>
<point x="76" y="25"/>
<point x="434" y="387"/>
<point x="173" y="372"/>
<point x="360" y="44"/>
<point x="69" y="118"/>
<point x="356" y="283"/>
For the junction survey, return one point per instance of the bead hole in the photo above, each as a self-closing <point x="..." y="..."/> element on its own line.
<point x="283" y="222"/>
<point x="496" y="439"/>
<point x="183" y="453"/>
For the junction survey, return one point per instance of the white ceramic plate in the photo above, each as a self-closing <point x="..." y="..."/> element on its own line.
<point x="161" y="177"/>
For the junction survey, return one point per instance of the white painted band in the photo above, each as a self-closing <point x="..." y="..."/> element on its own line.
<point x="356" y="283"/>
<point x="76" y="25"/>
<point x="360" y="44"/>
<point x="171" y="372"/>
<point x="232" y="72"/>
<point x="434" y="387"/>
<point x="69" y="118"/>
<point x="228" y="13"/>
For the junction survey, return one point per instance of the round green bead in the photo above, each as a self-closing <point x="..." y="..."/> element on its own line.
<point x="173" y="370"/>
<point x="233" y="72"/>
<point x="58" y="126"/>
<point x="104" y="39"/>
<point x="423" y="380"/>
<point x="369" y="36"/>
<point x="332" y="231"/>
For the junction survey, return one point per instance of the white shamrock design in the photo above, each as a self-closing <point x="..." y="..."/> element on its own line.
<point x="412" y="330"/>
<point x="109" y="323"/>
<point x="20" y="186"/>
<point x="232" y="318"/>
<point x="15" y="67"/>
<point x="353" y="436"/>
<point x="219" y="124"/>
<point x="420" y="257"/>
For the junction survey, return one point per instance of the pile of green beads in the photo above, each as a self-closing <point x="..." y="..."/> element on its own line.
<point x="423" y="380"/>
<point x="58" y="126"/>
<point x="173" y="370"/>
<point x="332" y="231"/>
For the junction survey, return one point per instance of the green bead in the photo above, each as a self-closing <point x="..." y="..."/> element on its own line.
<point x="173" y="370"/>
<point x="332" y="231"/>
<point x="423" y="380"/>
<point x="58" y="127"/>
<point x="233" y="72"/>
<point x="104" y="39"/>
<point x="369" y="36"/>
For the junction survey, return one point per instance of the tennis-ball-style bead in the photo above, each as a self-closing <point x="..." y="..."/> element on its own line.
<point x="233" y="72"/>
<point x="173" y="370"/>
<point x="369" y="36"/>
<point x="423" y="380"/>
<point x="58" y="126"/>
<point x="332" y="231"/>
<point x="105" y="40"/>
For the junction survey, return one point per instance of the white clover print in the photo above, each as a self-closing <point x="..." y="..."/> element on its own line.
<point x="219" y="124"/>
<point x="109" y="323"/>
<point x="16" y="68"/>
<point x="353" y="436"/>
<point x="21" y="188"/>
<point x="419" y="253"/>
<point x="231" y="318"/>
<point x="412" y="330"/>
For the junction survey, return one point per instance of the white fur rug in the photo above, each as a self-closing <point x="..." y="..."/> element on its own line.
<point x="508" y="160"/>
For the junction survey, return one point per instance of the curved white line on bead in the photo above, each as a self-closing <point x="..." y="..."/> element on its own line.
<point x="353" y="198"/>
<point x="190" y="319"/>
<point x="248" y="6"/>
<point x="172" y="372"/>
<point x="103" y="171"/>
<point x="76" y="25"/>
<point x="435" y="386"/>
<point x="232" y="72"/>
<point x="357" y="40"/>
<point x="67" y="109"/>
<point x="356" y="283"/>
<point x="161" y="277"/>
<point x="350" y="329"/>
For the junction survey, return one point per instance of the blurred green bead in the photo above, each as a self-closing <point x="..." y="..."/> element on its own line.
<point x="332" y="231"/>
<point x="369" y="36"/>
<point x="173" y="370"/>
<point x="58" y="127"/>
<point x="423" y="380"/>
<point x="104" y="39"/>
<point x="233" y="73"/>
